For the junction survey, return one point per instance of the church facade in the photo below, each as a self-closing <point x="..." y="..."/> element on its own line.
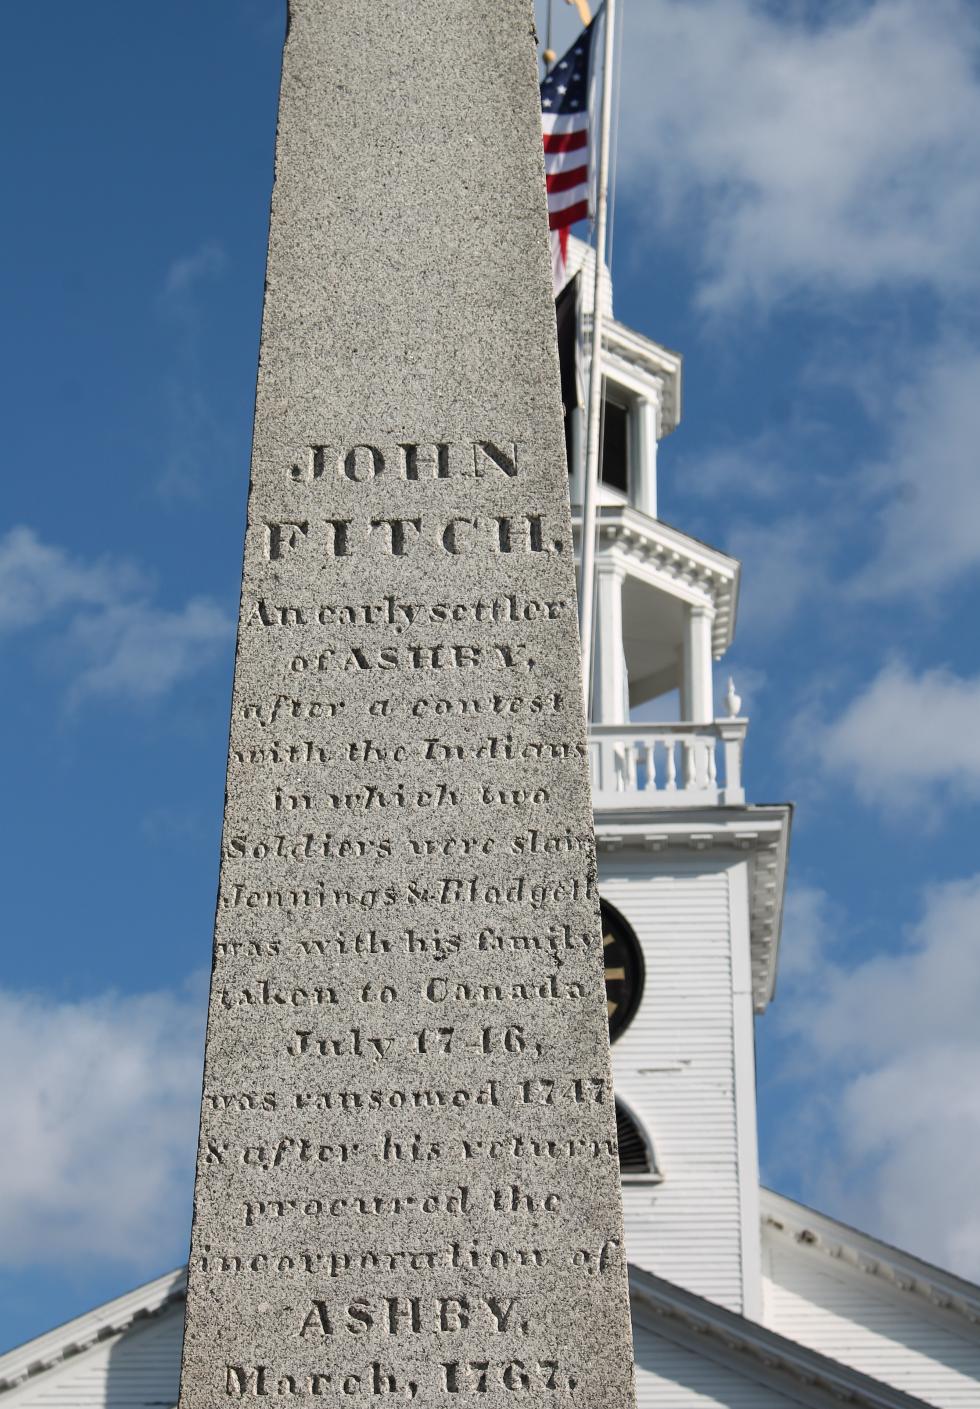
<point x="741" y="1298"/>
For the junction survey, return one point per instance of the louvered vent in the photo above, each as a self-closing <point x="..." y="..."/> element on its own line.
<point x="634" y="1157"/>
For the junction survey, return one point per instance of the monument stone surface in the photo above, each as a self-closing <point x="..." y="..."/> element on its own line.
<point x="407" y="1184"/>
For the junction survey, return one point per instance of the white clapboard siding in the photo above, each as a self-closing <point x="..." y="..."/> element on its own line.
<point x="669" y="1376"/>
<point x="136" y="1369"/>
<point x="674" y="1067"/>
<point x="862" y="1321"/>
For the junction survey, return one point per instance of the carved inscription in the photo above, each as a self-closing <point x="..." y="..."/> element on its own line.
<point x="407" y="1181"/>
<point x="405" y="943"/>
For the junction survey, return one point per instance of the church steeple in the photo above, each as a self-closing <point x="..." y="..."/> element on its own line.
<point x="665" y="601"/>
<point x="691" y="876"/>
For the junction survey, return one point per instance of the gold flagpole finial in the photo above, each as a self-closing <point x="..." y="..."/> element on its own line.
<point x="584" y="13"/>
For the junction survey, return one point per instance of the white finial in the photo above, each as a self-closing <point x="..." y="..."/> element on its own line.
<point x="733" y="701"/>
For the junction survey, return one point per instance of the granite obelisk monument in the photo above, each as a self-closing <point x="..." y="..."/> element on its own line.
<point x="407" y="1183"/>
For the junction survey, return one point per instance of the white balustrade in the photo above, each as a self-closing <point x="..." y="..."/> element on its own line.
<point x="667" y="765"/>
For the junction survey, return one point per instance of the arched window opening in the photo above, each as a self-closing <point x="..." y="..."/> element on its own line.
<point x="634" y="1152"/>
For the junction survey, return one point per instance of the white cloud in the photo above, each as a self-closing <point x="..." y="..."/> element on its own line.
<point x="912" y="512"/>
<point x="754" y="469"/>
<point x="114" y="640"/>
<point x="891" y="1048"/>
<point x="928" y="480"/>
<point x="204" y="263"/>
<point x="906" y="740"/>
<point x="99" y="1125"/>
<point x="925" y="994"/>
<point x="139" y="652"/>
<point x="785" y="564"/>
<point x="198" y="440"/>
<point x="38" y="579"/>
<point x="829" y="156"/>
<point x="198" y="444"/>
<point x="807" y="926"/>
<point x="915" y="1121"/>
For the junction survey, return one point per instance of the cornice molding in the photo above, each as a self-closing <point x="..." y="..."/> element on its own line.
<point x="823" y="1237"/>
<point x="629" y="351"/>
<point x="684" y="567"/>
<point x="46" y="1352"/>
<point x="753" y="1349"/>
<point x="762" y="831"/>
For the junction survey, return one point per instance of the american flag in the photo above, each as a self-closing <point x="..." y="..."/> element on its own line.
<point x="565" y="125"/>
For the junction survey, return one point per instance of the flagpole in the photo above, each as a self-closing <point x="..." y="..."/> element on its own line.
<point x="586" y="596"/>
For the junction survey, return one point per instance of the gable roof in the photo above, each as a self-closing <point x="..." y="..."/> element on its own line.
<point x="54" y="1347"/>
<point x="782" y="1216"/>
<point x="753" y="1350"/>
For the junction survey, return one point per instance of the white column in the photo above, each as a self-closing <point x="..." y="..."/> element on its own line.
<point x="610" y="687"/>
<point x="697" y="703"/>
<point x="644" y="419"/>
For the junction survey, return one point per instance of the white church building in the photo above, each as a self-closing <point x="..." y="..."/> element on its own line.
<point x="741" y="1298"/>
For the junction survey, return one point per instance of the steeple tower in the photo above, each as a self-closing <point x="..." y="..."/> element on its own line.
<point x="691" y="875"/>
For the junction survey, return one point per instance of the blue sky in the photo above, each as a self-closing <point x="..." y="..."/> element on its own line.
<point x="798" y="202"/>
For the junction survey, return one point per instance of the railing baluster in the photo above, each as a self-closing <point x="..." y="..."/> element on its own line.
<point x="688" y="774"/>
<point x="625" y="759"/>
